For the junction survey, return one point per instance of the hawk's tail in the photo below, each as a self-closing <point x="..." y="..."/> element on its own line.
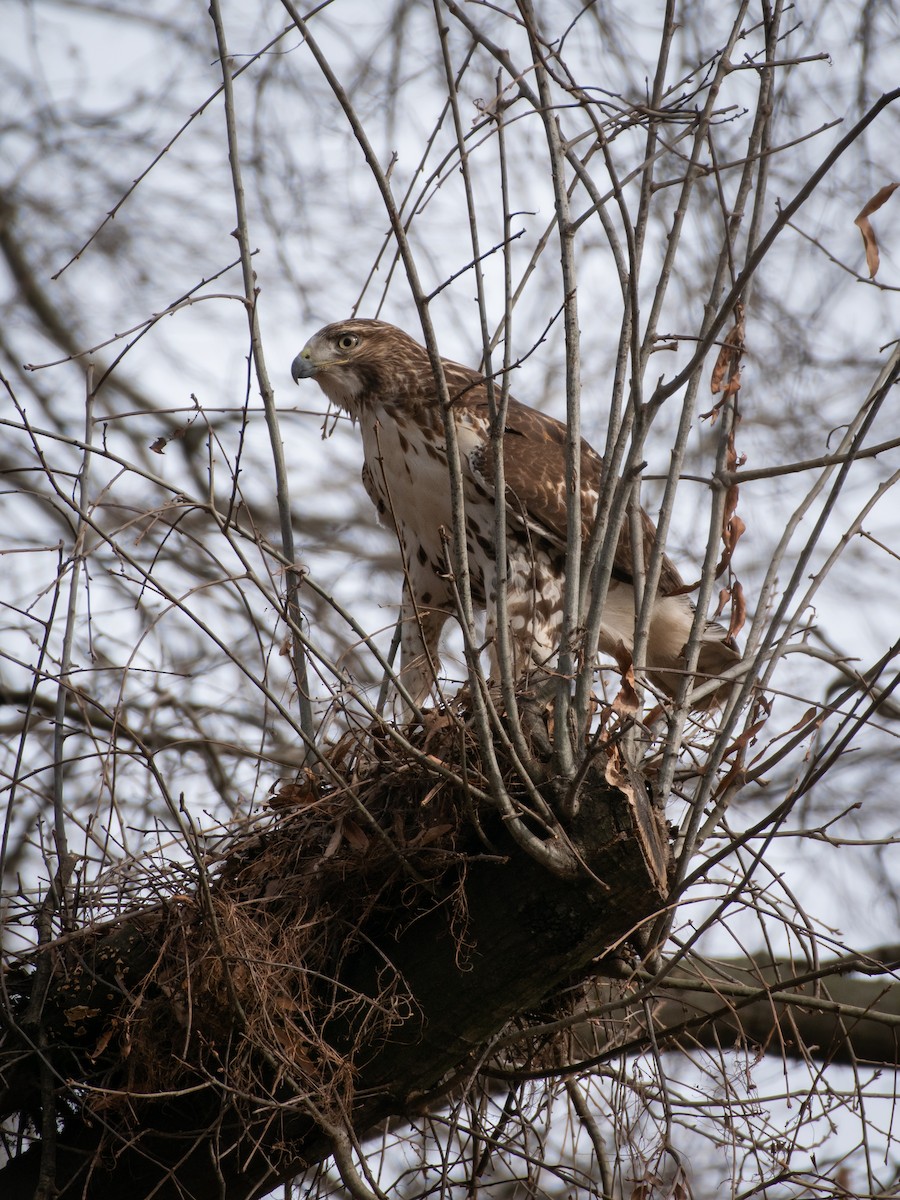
<point x="669" y="633"/>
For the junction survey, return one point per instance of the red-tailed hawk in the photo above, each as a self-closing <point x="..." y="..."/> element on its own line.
<point x="384" y="380"/>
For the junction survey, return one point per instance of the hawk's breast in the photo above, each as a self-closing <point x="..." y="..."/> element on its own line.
<point x="408" y="479"/>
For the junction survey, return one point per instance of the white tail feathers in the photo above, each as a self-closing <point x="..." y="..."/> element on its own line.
<point x="670" y="630"/>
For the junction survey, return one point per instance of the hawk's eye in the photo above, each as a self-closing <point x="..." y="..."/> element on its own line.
<point x="347" y="341"/>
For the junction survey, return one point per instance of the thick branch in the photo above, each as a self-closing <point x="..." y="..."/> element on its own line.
<point x="836" y="1017"/>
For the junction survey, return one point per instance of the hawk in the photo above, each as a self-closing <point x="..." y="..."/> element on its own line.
<point x="383" y="379"/>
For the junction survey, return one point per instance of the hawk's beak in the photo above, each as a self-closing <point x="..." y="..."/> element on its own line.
<point x="303" y="366"/>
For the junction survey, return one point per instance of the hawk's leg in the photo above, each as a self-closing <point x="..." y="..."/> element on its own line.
<point x="424" y="612"/>
<point x="533" y="612"/>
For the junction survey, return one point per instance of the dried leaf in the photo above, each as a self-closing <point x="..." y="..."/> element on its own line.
<point x="738" y="610"/>
<point x="626" y="703"/>
<point x="427" y="836"/>
<point x="732" y="525"/>
<point x="303" y="791"/>
<point x="680" y="1189"/>
<point x="333" y="842"/>
<point x="740" y="744"/>
<point x="79" y="1013"/>
<point x="731" y="534"/>
<point x="736" y="776"/>
<point x="811" y="714"/>
<point x="435" y="722"/>
<point x="811" y="720"/>
<point x="354" y="835"/>
<point x="865" y="225"/>
<point x="159" y="445"/>
<point x="345" y="745"/>
<point x="102" y="1042"/>
<point x="726" y="374"/>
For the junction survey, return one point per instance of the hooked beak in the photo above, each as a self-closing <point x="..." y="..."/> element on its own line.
<point x="303" y="366"/>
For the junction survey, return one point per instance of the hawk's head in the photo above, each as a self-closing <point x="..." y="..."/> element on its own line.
<point x="353" y="360"/>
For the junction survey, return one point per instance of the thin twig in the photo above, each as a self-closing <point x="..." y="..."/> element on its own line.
<point x="251" y="293"/>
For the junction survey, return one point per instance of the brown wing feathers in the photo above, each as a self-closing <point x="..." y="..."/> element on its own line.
<point x="534" y="467"/>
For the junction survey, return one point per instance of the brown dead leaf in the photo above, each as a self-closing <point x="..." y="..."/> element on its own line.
<point x="80" y="1012"/>
<point x="732" y="525"/>
<point x="737" y="751"/>
<point x="303" y="791"/>
<point x="680" y="1188"/>
<point x="435" y="722"/>
<point x="733" y="460"/>
<point x="812" y="716"/>
<point x="344" y="748"/>
<point x="733" y="531"/>
<point x="738" y="609"/>
<point x="356" y="838"/>
<point x="159" y="445"/>
<point x="333" y="843"/>
<point x="864" y="225"/>
<point x="726" y="363"/>
<point x="626" y="703"/>
<point x="747" y="737"/>
<point x="731" y="534"/>
<point x="427" y="836"/>
<point x="102" y="1042"/>
<point x="809" y="722"/>
<point x="726" y="376"/>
